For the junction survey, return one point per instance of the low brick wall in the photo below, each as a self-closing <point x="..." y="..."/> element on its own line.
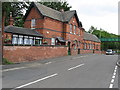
<point x="74" y="51"/>
<point x="86" y="51"/>
<point x="103" y="52"/>
<point x="98" y="52"/>
<point x="30" y="53"/>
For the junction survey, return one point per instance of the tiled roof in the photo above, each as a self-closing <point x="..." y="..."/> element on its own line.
<point x="60" y="39"/>
<point x="49" y="12"/>
<point x="23" y="31"/>
<point x="88" y="36"/>
<point x="54" y="14"/>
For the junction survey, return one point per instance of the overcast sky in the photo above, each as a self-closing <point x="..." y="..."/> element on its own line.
<point x="98" y="13"/>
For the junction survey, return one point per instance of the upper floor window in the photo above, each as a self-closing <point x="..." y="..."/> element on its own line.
<point x="74" y="29"/>
<point x="70" y="28"/>
<point x="32" y="23"/>
<point x="79" y="32"/>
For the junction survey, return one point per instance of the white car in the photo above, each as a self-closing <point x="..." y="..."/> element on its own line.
<point x="109" y="52"/>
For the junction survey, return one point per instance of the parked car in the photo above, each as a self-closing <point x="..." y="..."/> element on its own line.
<point x="109" y="52"/>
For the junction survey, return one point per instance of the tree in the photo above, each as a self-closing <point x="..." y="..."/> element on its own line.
<point x="104" y="34"/>
<point x="57" y="5"/>
<point x="17" y="9"/>
<point x="92" y="28"/>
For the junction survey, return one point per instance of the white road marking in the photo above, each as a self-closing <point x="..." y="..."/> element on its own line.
<point x="114" y="73"/>
<point x="113" y="76"/>
<point x="48" y="63"/>
<point x="112" y="80"/>
<point x="36" y="81"/>
<point x="111" y="86"/>
<point x="12" y="69"/>
<point x="115" y="67"/>
<point x="75" y="67"/>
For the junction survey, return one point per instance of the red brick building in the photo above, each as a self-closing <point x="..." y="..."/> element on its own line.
<point x="44" y="25"/>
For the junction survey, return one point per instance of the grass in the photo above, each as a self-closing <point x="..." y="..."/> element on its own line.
<point x="5" y="61"/>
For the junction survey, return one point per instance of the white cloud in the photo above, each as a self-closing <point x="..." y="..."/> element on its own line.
<point x="99" y="13"/>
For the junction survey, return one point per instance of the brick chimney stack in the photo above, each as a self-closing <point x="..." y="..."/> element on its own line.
<point x="11" y="19"/>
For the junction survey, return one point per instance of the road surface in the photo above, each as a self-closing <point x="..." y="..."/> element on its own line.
<point x="81" y="71"/>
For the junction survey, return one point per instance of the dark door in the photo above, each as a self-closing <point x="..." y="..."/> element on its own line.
<point x="69" y="50"/>
<point x="78" y="50"/>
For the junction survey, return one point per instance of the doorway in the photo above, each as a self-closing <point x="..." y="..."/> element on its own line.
<point x="69" y="49"/>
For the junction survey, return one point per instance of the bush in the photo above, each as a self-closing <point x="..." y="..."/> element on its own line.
<point x="5" y="61"/>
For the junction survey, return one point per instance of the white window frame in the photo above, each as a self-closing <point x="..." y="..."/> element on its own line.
<point x="85" y="45"/>
<point x="74" y="29"/>
<point x="15" y="39"/>
<point x="33" y="23"/>
<point x="52" y="41"/>
<point x="20" y="39"/>
<point x="79" y="32"/>
<point x="70" y="28"/>
<point x="31" y="40"/>
<point x="26" y="40"/>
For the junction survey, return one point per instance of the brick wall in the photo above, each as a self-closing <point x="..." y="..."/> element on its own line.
<point x="33" y="15"/>
<point x="86" y="51"/>
<point x="98" y="52"/>
<point x="30" y="53"/>
<point x="74" y="51"/>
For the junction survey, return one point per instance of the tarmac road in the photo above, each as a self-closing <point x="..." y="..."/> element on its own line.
<point x="81" y="71"/>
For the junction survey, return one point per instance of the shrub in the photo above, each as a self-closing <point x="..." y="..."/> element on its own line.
<point x="5" y="61"/>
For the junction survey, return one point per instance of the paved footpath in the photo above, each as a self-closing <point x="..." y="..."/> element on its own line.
<point x="81" y="71"/>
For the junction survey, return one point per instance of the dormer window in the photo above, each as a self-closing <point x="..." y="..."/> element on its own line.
<point x="32" y="23"/>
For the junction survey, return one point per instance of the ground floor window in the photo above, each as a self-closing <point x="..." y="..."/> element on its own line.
<point x="75" y="44"/>
<point x="20" y="40"/>
<point x="15" y="39"/>
<point x="38" y="41"/>
<point x="52" y="41"/>
<point x="27" y="40"/>
<point x="85" y="46"/>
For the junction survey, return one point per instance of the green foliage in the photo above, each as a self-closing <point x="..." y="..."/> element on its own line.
<point x="5" y="61"/>
<point x="7" y="40"/>
<point x="92" y="28"/>
<point x="104" y="34"/>
<point x="57" y="5"/>
<point x="17" y="9"/>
